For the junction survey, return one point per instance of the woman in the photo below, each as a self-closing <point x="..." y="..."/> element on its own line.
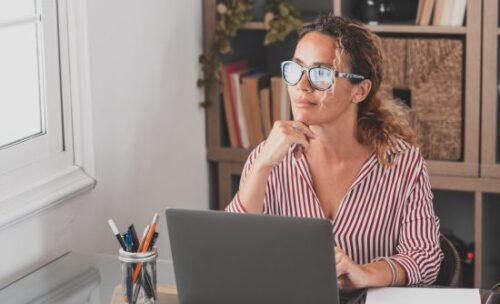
<point x="350" y="157"/>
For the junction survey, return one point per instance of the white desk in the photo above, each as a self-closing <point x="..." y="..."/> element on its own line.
<point x="75" y="278"/>
<point x="81" y="278"/>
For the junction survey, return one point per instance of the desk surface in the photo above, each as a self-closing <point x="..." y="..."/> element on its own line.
<point x="81" y="278"/>
<point x="75" y="278"/>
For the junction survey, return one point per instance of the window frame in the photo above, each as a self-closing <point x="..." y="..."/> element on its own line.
<point x="67" y="172"/>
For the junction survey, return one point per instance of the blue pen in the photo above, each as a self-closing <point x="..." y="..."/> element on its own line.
<point x="135" y="239"/>
<point x="125" y="241"/>
<point x="129" y="285"/>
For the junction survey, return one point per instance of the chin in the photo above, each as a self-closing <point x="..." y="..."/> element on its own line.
<point x="304" y="118"/>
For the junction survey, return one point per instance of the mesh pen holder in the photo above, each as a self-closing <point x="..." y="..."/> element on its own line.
<point x="142" y="267"/>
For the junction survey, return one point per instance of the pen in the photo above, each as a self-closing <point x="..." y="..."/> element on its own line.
<point x="129" y="243"/>
<point x="129" y="284"/>
<point x="135" y="240"/>
<point x="153" y="241"/>
<point x="116" y="232"/>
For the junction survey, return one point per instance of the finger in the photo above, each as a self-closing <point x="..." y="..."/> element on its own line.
<point x="341" y="268"/>
<point x="338" y="249"/>
<point x="305" y="129"/>
<point x="338" y="258"/>
<point x="341" y="282"/>
<point x="300" y="141"/>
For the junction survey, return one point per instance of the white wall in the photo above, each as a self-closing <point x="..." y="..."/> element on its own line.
<point x="149" y="134"/>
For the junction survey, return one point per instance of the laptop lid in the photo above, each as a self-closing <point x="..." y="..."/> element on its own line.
<point x="222" y="257"/>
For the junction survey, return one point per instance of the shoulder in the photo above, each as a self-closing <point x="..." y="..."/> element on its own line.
<point x="255" y="153"/>
<point x="407" y="158"/>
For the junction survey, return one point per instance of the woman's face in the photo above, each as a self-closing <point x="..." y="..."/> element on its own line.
<point x="315" y="107"/>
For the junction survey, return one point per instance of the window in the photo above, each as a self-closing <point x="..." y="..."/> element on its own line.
<point x="21" y="114"/>
<point x="43" y="106"/>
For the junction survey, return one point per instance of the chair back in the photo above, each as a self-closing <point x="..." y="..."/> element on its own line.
<point x="450" y="273"/>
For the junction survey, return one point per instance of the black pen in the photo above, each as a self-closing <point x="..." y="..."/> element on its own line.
<point x="153" y="241"/>
<point x="116" y="232"/>
<point x="135" y="239"/>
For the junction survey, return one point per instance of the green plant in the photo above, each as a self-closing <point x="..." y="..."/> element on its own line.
<point x="231" y="16"/>
<point x="282" y="17"/>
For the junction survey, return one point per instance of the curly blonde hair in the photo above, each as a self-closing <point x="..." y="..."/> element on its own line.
<point x="382" y="123"/>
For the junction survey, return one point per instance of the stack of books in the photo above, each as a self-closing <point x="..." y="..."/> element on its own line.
<point x="252" y="101"/>
<point x="441" y="12"/>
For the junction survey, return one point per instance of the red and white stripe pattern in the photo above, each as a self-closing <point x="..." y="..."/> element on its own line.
<point x="386" y="212"/>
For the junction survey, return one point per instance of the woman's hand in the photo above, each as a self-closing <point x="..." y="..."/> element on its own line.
<point x="284" y="134"/>
<point x="377" y="274"/>
<point x="349" y="274"/>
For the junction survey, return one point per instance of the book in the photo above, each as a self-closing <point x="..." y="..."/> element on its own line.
<point x="427" y="8"/>
<point x="275" y="98"/>
<point x="250" y="90"/>
<point x="229" y="101"/>
<point x="240" y="111"/>
<point x="285" y="105"/>
<point x="419" y="11"/>
<point x="447" y="12"/>
<point x="437" y="16"/>
<point x="265" y="107"/>
<point x="280" y="100"/>
<point x="443" y="12"/>
<point x="458" y="12"/>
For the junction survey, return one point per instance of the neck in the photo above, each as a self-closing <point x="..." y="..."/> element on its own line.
<point x="336" y="142"/>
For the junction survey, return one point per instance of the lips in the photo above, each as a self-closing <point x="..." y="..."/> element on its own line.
<point x="304" y="104"/>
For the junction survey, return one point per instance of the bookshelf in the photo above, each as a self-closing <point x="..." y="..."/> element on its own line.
<point x="490" y="147"/>
<point x="473" y="181"/>
<point x="490" y="154"/>
<point x="390" y="28"/>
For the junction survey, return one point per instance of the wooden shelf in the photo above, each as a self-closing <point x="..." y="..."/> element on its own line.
<point x="224" y="154"/>
<point x="490" y="103"/>
<point x="254" y="25"/>
<point x="490" y="170"/>
<point x="418" y="29"/>
<point x="438" y="181"/>
<point x="471" y="184"/>
<point x="390" y="28"/>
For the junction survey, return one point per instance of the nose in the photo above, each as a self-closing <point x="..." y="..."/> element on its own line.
<point x="304" y="84"/>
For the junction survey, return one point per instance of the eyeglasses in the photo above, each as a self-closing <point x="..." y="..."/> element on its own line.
<point x="320" y="77"/>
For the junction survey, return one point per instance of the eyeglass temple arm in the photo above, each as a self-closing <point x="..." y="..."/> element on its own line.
<point x="348" y="75"/>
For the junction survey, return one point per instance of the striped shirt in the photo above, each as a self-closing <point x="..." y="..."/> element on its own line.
<point x="386" y="211"/>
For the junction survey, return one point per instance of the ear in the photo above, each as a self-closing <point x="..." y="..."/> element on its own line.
<point x="361" y="90"/>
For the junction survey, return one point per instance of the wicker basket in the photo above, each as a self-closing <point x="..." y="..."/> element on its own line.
<point x="432" y="69"/>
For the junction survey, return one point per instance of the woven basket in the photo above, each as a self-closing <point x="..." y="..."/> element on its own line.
<point x="432" y="69"/>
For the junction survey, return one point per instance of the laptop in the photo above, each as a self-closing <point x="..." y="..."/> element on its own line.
<point x="227" y="258"/>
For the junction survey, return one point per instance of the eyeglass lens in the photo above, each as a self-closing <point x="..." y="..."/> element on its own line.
<point x="319" y="77"/>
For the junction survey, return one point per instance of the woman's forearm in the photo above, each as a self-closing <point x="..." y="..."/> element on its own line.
<point x="379" y="274"/>
<point x="253" y="190"/>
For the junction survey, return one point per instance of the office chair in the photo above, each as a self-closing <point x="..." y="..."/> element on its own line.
<point x="450" y="273"/>
<point x="491" y="296"/>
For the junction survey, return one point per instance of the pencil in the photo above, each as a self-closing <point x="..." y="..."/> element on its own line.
<point x="144" y="245"/>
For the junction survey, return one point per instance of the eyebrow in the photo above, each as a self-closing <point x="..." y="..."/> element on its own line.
<point x="314" y="63"/>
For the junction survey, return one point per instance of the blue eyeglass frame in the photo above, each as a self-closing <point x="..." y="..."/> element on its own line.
<point x="335" y="74"/>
